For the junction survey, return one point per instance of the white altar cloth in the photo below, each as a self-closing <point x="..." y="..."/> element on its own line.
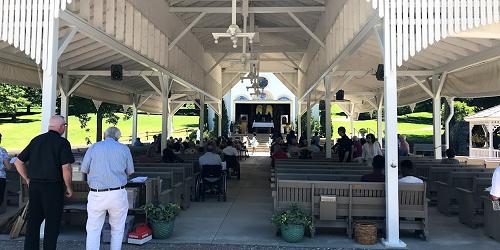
<point x="263" y="125"/>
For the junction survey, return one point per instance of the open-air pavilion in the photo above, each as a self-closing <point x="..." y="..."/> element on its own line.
<point x="489" y="120"/>
<point x="430" y="49"/>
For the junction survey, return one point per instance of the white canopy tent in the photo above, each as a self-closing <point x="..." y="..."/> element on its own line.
<point x="489" y="119"/>
<point x="430" y="49"/>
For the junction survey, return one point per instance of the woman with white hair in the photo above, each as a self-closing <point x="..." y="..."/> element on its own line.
<point x="108" y="164"/>
<point x="404" y="147"/>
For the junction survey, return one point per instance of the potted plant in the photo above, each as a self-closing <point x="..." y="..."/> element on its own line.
<point x="478" y="140"/>
<point x="161" y="219"/>
<point x="292" y="224"/>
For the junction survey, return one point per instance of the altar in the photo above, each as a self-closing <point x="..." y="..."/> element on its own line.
<point x="263" y="127"/>
<point x="263" y="124"/>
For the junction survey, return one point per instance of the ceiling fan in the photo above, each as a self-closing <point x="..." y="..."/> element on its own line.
<point x="234" y="32"/>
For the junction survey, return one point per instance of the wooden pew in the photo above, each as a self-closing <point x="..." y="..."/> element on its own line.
<point x="441" y="174"/>
<point x="182" y="172"/>
<point x="446" y="190"/>
<point x="167" y="190"/>
<point x="351" y="200"/>
<point x="491" y="219"/>
<point x="470" y="203"/>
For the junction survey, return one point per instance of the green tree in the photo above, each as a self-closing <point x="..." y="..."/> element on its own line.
<point x="225" y="122"/>
<point x="34" y="97"/>
<point x="463" y="110"/>
<point x="12" y="97"/>
<point x="82" y="107"/>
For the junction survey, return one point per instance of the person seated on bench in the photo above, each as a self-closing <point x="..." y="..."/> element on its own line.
<point x="495" y="185"/>
<point x="294" y="149"/>
<point x="378" y="171"/>
<point x="230" y="150"/>
<point x="279" y="152"/>
<point x="450" y="157"/>
<point x="210" y="158"/>
<point x="344" y="146"/>
<point x="138" y="142"/>
<point x="305" y="154"/>
<point x="371" y="148"/>
<point x="408" y="173"/>
<point x="170" y="157"/>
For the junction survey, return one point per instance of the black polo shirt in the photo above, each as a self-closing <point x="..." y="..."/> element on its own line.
<point x="46" y="154"/>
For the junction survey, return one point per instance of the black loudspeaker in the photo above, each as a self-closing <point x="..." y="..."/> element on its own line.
<point x="339" y="96"/>
<point x="322" y="105"/>
<point x="380" y="72"/>
<point x="116" y="72"/>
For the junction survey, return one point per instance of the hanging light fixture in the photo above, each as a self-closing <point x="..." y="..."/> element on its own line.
<point x="234" y="31"/>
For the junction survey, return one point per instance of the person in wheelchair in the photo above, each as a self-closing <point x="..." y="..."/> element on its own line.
<point x="213" y="176"/>
<point x="231" y="158"/>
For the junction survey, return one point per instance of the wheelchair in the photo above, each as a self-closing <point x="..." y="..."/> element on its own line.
<point x="233" y="166"/>
<point x="213" y="179"/>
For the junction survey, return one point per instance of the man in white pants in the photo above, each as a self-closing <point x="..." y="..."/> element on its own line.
<point x="108" y="164"/>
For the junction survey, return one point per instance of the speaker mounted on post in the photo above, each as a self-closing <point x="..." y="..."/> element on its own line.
<point x="380" y="72"/>
<point x="116" y="72"/>
<point x="339" y="96"/>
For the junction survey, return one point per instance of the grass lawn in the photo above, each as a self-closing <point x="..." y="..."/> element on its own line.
<point x="16" y="135"/>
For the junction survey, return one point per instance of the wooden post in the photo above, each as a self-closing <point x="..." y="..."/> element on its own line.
<point x="391" y="129"/>
<point x="164" y="82"/>
<point x="328" y="112"/>
<point x="49" y="93"/>
<point x="308" y="120"/>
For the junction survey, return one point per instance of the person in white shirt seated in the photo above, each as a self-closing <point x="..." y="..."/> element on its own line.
<point x="495" y="185"/>
<point x="230" y="150"/>
<point x="314" y="148"/>
<point x="210" y="158"/>
<point x="408" y="173"/>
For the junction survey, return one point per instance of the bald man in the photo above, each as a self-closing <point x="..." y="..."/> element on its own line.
<point x="48" y="176"/>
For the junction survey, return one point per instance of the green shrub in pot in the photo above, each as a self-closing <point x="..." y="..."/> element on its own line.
<point x="162" y="218"/>
<point x="293" y="223"/>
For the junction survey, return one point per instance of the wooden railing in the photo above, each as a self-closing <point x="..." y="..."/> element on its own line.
<point x="484" y="153"/>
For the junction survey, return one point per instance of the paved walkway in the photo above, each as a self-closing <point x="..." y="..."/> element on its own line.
<point x="243" y="222"/>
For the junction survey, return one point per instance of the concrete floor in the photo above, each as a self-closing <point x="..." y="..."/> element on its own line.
<point x="243" y="222"/>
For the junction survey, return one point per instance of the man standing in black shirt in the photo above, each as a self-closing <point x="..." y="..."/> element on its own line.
<point x="48" y="176"/>
<point x="344" y="146"/>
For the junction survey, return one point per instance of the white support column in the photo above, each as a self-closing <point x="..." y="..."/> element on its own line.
<point x="65" y="95"/>
<point x="308" y="120"/>
<point x="471" y="126"/>
<point x="49" y="86"/>
<point x="298" y="116"/>
<point x="165" y="89"/>
<point x="491" y="131"/>
<point x="451" y="102"/>
<point x="134" y="118"/>
<point x="328" y="112"/>
<point x="202" y="117"/>
<point x="436" y="119"/>
<point x="219" y="119"/>
<point x="391" y="130"/>
<point x="380" y="130"/>
<point x="351" y="119"/>
<point x="170" y="124"/>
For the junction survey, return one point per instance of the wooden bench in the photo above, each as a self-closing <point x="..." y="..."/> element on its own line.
<point x="352" y="200"/>
<point x="441" y="174"/>
<point x="168" y="191"/>
<point x="422" y="169"/>
<point x="491" y="219"/>
<point x="182" y="171"/>
<point x="470" y="203"/>
<point x="446" y="190"/>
